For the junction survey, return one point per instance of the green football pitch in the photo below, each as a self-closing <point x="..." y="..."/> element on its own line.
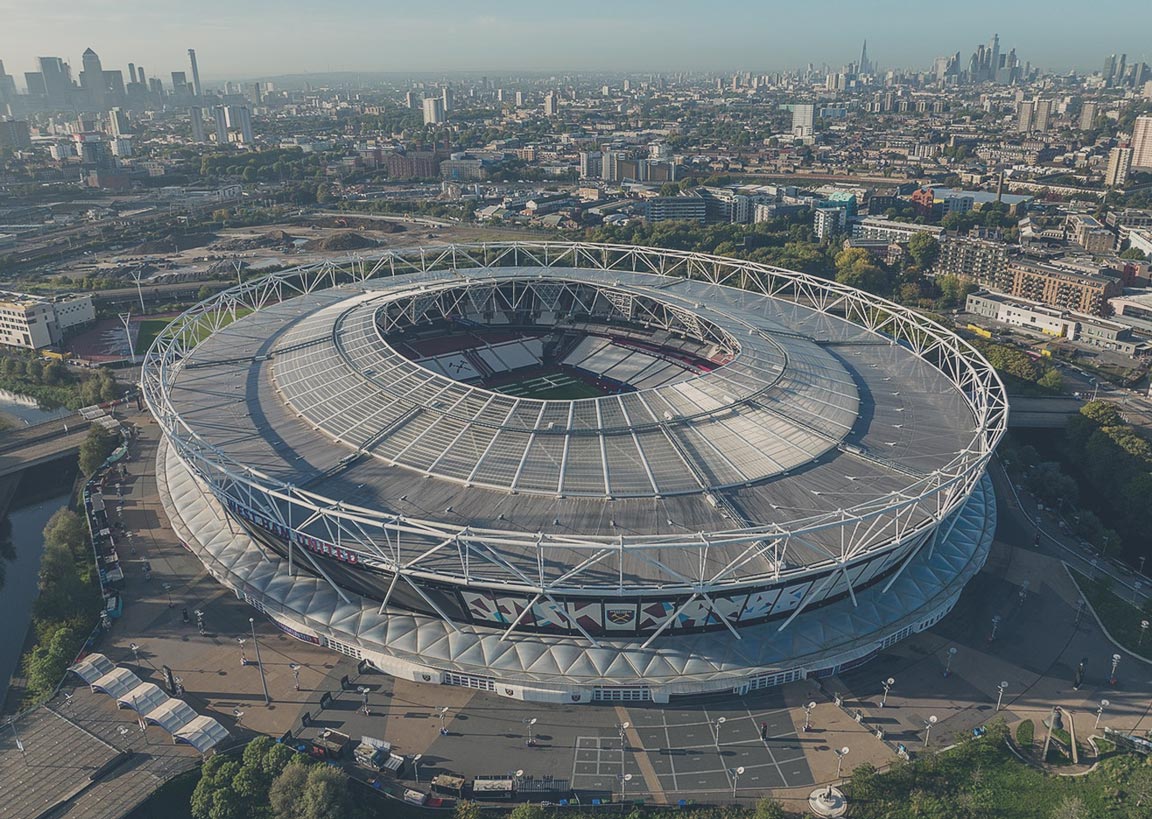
<point x="558" y="387"/>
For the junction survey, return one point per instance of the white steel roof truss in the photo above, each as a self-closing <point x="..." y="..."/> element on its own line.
<point x="564" y="455"/>
<point x="491" y="443"/>
<point x="603" y="449"/>
<point x="528" y="447"/>
<point x="464" y="429"/>
<point x="636" y="443"/>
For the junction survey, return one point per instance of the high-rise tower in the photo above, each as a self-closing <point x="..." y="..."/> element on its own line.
<point x="92" y="81"/>
<point x="195" y="72"/>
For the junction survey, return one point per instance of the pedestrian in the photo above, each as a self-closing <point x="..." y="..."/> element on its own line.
<point x="764" y="731"/>
<point x="184" y="614"/>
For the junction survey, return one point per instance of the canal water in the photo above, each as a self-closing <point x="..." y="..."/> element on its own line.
<point x="20" y="586"/>
<point x="22" y="410"/>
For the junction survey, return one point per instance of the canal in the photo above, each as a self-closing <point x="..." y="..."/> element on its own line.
<point x="20" y="585"/>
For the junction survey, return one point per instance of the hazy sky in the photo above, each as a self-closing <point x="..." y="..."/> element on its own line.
<point x="252" y="38"/>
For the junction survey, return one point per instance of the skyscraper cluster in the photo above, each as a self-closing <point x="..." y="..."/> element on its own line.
<point x="53" y="88"/>
<point x="989" y="64"/>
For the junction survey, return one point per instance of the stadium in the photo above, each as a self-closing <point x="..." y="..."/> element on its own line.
<point x="576" y="472"/>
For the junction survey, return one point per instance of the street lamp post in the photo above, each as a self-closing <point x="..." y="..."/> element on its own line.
<point x="888" y="683"/>
<point x="1115" y="662"/>
<point x="1100" y="712"/>
<point x="364" y="700"/>
<point x="1000" y="693"/>
<point x="531" y="739"/>
<point x="443" y="712"/>
<point x="736" y="779"/>
<point x="238" y="715"/>
<point x="416" y="765"/>
<point x="240" y="641"/>
<point x="716" y="727"/>
<point x="928" y="723"/>
<point x="1142" y="558"/>
<point x="808" y="715"/>
<point x="1023" y="592"/>
<point x="263" y="680"/>
<point x="295" y="674"/>
<point x="995" y="626"/>
<point x="1080" y="610"/>
<point x="168" y="591"/>
<point x="840" y="754"/>
<point x="135" y="652"/>
<point x="200" y="621"/>
<point x="1143" y="628"/>
<point x="948" y="662"/>
<point x="624" y="780"/>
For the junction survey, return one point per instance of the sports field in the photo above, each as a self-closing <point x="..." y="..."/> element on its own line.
<point x="553" y="387"/>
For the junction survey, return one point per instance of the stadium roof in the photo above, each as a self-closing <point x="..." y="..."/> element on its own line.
<point x="813" y="415"/>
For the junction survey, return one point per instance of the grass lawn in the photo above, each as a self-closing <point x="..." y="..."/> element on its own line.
<point x="551" y="388"/>
<point x="982" y="778"/>
<point x="1120" y="617"/>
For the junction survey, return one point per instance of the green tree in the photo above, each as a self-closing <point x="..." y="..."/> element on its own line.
<point x="527" y="810"/>
<point x="768" y="808"/>
<point x="1102" y="413"/>
<point x="924" y="250"/>
<point x="326" y="794"/>
<point x="97" y="446"/>
<point x="466" y="809"/>
<point x="48" y="662"/>
<point x="287" y="791"/>
<point x="855" y="267"/>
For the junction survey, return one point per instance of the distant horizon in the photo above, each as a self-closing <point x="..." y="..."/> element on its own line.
<point x="262" y="40"/>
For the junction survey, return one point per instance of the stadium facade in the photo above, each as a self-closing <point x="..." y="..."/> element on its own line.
<point x="575" y="472"/>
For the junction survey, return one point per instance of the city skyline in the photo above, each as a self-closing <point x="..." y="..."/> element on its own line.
<point x="518" y="37"/>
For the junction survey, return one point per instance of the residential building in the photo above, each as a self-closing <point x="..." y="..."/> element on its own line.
<point x="1024" y="111"/>
<point x="462" y="169"/>
<point x="878" y="227"/>
<point x="1042" y="116"/>
<point x="803" y="120"/>
<point x="413" y="164"/>
<point x="1088" y="112"/>
<point x="551" y="104"/>
<point x="829" y="220"/>
<point x="591" y="165"/>
<point x="675" y="208"/>
<point x="433" y="110"/>
<point x="196" y="117"/>
<point x="239" y="120"/>
<point x="1087" y="232"/>
<point x="1142" y="143"/>
<point x="983" y="261"/>
<point x="1082" y="293"/>
<point x="1119" y="165"/>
